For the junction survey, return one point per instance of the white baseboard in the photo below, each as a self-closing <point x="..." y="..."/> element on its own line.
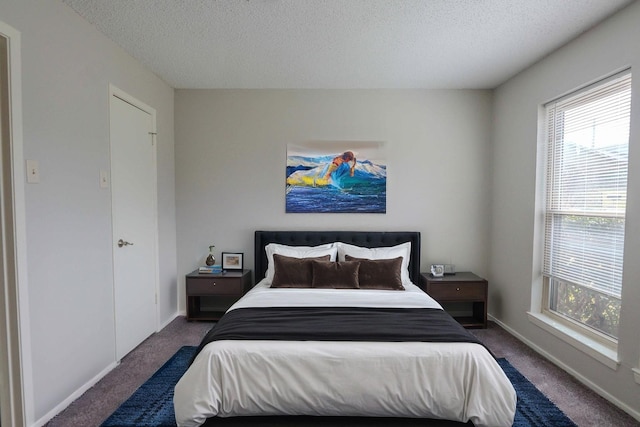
<point x="585" y="381"/>
<point x="76" y="394"/>
<point x="171" y="319"/>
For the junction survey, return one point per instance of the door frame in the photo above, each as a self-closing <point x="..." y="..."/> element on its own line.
<point x="123" y="96"/>
<point x="16" y="396"/>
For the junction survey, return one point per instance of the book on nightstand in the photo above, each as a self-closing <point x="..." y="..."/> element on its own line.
<point x="210" y="269"/>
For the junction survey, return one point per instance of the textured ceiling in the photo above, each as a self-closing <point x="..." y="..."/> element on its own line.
<point x="341" y="43"/>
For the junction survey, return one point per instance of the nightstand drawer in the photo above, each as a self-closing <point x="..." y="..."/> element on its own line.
<point x="214" y="286"/>
<point x="457" y="291"/>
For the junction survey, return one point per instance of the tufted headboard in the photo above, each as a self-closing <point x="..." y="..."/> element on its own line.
<point x="369" y="239"/>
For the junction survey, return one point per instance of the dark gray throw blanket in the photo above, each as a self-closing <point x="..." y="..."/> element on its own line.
<point x="338" y="324"/>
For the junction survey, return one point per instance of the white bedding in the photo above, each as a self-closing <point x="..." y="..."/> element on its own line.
<point x="455" y="381"/>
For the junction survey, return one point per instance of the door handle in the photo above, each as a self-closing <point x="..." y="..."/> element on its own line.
<point x="122" y="243"/>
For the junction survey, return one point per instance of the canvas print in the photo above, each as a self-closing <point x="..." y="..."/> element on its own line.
<point x="345" y="177"/>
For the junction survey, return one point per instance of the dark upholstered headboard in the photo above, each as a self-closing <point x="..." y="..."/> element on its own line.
<point x="369" y="239"/>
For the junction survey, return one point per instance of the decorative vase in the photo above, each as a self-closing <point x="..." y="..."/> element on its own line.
<point x="210" y="260"/>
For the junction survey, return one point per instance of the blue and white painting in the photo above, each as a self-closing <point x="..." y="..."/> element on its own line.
<point x="344" y="177"/>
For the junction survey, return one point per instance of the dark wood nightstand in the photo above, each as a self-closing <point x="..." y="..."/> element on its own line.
<point x="219" y="290"/>
<point x="462" y="287"/>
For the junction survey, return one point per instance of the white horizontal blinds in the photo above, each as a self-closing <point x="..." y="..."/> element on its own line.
<point x="587" y="164"/>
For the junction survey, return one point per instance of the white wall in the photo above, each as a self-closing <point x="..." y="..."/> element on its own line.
<point x="231" y="158"/>
<point x="67" y="67"/>
<point x="609" y="47"/>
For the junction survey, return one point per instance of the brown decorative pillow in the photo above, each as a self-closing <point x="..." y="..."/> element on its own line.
<point x="293" y="272"/>
<point x="336" y="275"/>
<point x="379" y="273"/>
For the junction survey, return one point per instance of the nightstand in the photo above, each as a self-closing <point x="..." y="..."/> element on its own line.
<point x="462" y="287"/>
<point x="210" y="295"/>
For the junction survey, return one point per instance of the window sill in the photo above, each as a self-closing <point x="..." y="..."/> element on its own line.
<point x="603" y="354"/>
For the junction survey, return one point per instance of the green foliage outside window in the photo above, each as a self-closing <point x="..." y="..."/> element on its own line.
<point x="594" y="309"/>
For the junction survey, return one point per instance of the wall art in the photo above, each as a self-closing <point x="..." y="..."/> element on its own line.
<point x="336" y="177"/>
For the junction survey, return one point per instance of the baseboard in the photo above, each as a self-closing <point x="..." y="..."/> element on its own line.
<point x="76" y="394"/>
<point x="171" y="319"/>
<point x="585" y="381"/>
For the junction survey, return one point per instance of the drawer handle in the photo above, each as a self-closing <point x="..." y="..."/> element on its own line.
<point x="214" y="283"/>
<point x="457" y="289"/>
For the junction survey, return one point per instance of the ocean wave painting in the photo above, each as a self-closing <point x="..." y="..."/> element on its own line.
<point x="343" y="177"/>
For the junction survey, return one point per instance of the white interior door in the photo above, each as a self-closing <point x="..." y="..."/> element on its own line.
<point x="133" y="179"/>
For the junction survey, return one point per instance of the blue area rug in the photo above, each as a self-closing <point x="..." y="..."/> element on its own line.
<point x="533" y="407"/>
<point x="152" y="404"/>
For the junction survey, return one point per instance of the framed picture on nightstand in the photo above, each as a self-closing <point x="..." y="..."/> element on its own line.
<point x="232" y="260"/>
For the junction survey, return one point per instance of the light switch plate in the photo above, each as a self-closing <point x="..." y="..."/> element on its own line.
<point x="104" y="179"/>
<point x="33" y="172"/>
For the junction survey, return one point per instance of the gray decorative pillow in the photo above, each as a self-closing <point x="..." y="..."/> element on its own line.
<point x="379" y="273"/>
<point x="293" y="272"/>
<point x="336" y="275"/>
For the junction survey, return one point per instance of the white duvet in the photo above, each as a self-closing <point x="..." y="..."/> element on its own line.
<point x="454" y="381"/>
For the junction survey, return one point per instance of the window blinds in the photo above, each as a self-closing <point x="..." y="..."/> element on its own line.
<point x="586" y="187"/>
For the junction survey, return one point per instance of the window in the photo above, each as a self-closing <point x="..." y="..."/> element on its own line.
<point x="585" y="202"/>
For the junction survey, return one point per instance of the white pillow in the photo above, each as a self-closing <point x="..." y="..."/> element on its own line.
<point x="403" y="250"/>
<point x="296" y="252"/>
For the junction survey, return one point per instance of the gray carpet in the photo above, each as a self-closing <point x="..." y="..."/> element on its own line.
<point x="583" y="406"/>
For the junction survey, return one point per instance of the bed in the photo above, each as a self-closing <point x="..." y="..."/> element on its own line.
<point x="335" y="348"/>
